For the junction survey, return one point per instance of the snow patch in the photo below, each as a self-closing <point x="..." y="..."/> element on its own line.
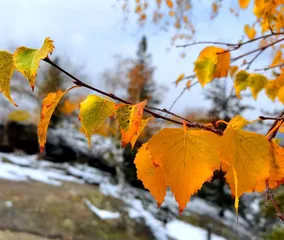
<point x="102" y="214"/>
<point x="182" y="231"/>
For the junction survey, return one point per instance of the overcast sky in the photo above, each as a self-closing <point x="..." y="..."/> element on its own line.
<point x="90" y="32"/>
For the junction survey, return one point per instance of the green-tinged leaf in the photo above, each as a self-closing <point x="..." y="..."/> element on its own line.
<point x="26" y="60"/>
<point x="240" y="82"/>
<point x="256" y="82"/>
<point x="94" y="110"/>
<point x="6" y="71"/>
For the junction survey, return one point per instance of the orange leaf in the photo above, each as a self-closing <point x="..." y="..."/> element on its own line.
<point x="143" y="124"/>
<point x="244" y="3"/>
<point x="170" y="3"/>
<point x="151" y="175"/>
<point x="187" y="158"/>
<point x="249" y="31"/>
<point x="129" y="118"/>
<point x="180" y="77"/>
<point x="49" y="104"/>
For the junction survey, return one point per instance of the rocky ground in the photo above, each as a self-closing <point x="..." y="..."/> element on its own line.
<point x="44" y="200"/>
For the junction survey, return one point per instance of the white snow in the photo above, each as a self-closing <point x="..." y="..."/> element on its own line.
<point x="138" y="204"/>
<point x="180" y="230"/>
<point x="102" y="214"/>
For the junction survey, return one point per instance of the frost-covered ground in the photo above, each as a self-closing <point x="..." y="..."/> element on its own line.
<point x="25" y="168"/>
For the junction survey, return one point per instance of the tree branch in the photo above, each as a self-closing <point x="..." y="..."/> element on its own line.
<point x="272" y="133"/>
<point x="268" y="68"/>
<point x="147" y="108"/>
<point x="235" y="45"/>
<point x="256" y="50"/>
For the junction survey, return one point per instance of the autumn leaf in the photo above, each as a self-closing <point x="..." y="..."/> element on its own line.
<point x="233" y="70"/>
<point x="244" y="3"/>
<point x="277" y="59"/>
<point x="256" y="83"/>
<point x="170" y="3"/>
<point x="240" y="82"/>
<point x="129" y="118"/>
<point x="276" y="173"/>
<point x="49" y="104"/>
<point x="245" y="157"/>
<point x="281" y="94"/>
<point x="151" y="175"/>
<point x="94" y="110"/>
<point x="143" y="124"/>
<point x="187" y="158"/>
<point x="26" y="60"/>
<point x="180" y="77"/>
<point x="19" y="116"/>
<point x="212" y="63"/>
<point x="6" y="72"/>
<point x="249" y="31"/>
<point x="271" y="90"/>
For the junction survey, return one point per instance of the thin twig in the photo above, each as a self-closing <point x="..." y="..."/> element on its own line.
<point x="269" y="194"/>
<point x="272" y="133"/>
<point x="206" y="42"/>
<point x="256" y="50"/>
<point x="268" y="68"/>
<point x="235" y="45"/>
<point x="148" y="109"/>
<point x="254" y="58"/>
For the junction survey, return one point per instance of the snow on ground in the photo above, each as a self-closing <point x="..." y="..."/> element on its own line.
<point x="181" y="231"/>
<point x="23" y="168"/>
<point x="102" y="214"/>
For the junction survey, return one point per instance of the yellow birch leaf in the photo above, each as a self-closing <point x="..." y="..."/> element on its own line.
<point x="26" y="60"/>
<point x="143" y="124"/>
<point x="210" y="64"/>
<point x="271" y="90"/>
<point x="277" y="59"/>
<point x="187" y="158"/>
<point x="276" y="173"/>
<point x="244" y="3"/>
<point x="281" y="94"/>
<point x="188" y="84"/>
<point x="19" y="116"/>
<point x="233" y="70"/>
<point x="180" y="77"/>
<point x="151" y="175"/>
<point x="240" y="82"/>
<point x="6" y="72"/>
<point x="249" y="31"/>
<point x="49" y="103"/>
<point x="245" y="156"/>
<point x="129" y="118"/>
<point x="94" y="111"/>
<point x="256" y="83"/>
<point x="238" y="122"/>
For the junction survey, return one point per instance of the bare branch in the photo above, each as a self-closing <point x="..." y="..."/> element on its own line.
<point x="254" y="58"/>
<point x="235" y="45"/>
<point x="256" y="50"/>
<point x="207" y="42"/>
<point x="268" y="68"/>
<point x="147" y="108"/>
